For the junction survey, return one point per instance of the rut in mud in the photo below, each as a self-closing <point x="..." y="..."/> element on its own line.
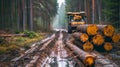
<point x="58" y="51"/>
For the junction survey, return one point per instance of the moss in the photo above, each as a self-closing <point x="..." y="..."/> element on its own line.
<point x="3" y="50"/>
<point x="13" y="47"/>
<point x="20" y="39"/>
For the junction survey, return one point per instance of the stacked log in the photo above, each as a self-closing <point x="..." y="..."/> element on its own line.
<point x="88" y="46"/>
<point x="108" y="30"/>
<point x="84" y="43"/>
<point x="98" y="39"/>
<point x="108" y="46"/>
<point x="89" y="29"/>
<point x="87" y="58"/>
<point x="93" y="36"/>
<point x="116" y="38"/>
<point x="92" y="29"/>
<point x="77" y="17"/>
<point x="80" y="36"/>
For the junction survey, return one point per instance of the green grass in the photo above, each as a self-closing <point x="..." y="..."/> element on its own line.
<point x="17" y="42"/>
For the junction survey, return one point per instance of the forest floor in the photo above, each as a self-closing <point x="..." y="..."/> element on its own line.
<point x="115" y="53"/>
<point x="10" y="47"/>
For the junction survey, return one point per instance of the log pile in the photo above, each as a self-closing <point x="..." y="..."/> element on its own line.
<point x="77" y="17"/>
<point x="87" y="58"/>
<point x="93" y="36"/>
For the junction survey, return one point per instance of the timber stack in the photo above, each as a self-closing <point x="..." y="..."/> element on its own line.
<point x="95" y="36"/>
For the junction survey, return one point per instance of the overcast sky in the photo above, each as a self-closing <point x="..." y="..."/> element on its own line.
<point x="60" y="2"/>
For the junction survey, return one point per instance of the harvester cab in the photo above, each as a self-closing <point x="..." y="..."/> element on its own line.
<point x="75" y="19"/>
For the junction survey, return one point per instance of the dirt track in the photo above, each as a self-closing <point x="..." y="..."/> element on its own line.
<point x="55" y="52"/>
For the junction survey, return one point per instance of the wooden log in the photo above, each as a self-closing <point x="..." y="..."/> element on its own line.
<point x="98" y="39"/>
<point x="102" y="61"/>
<point x="87" y="58"/>
<point x="83" y="37"/>
<point x="108" y="46"/>
<point x="115" y="38"/>
<point x="88" y="46"/>
<point x="12" y="35"/>
<point x="108" y="30"/>
<point x="77" y="17"/>
<point x="101" y="26"/>
<point x="90" y="29"/>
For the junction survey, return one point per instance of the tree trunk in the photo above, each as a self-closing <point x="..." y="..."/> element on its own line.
<point x="99" y="10"/>
<point x="31" y="16"/>
<point x="23" y="15"/>
<point x="88" y="11"/>
<point x="93" y="11"/>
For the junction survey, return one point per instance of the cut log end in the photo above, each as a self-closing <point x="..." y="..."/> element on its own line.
<point x="89" y="61"/>
<point x="88" y="46"/>
<point x="108" y="46"/>
<point x="108" y="30"/>
<point x="98" y="39"/>
<point x="92" y="29"/>
<point x="84" y="37"/>
<point x="115" y="38"/>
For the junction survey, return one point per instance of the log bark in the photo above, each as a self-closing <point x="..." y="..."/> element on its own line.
<point x="87" y="58"/>
<point x="12" y="35"/>
<point x="108" y="30"/>
<point x="101" y="26"/>
<point x="98" y="39"/>
<point x="83" y="37"/>
<point x="102" y="61"/>
<point x="90" y="29"/>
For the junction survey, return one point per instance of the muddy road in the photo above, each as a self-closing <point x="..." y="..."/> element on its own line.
<point x="57" y="50"/>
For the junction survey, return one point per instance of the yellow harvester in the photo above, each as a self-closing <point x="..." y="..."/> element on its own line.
<point x="75" y="19"/>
